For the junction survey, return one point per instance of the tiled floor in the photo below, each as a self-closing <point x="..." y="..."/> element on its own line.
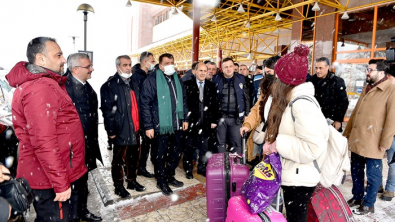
<point x="187" y="204"/>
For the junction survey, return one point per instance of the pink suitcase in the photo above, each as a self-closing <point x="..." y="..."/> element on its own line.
<point x="225" y="175"/>
<point x="238" y="211"/>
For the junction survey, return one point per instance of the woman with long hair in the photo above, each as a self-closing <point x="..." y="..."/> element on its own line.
<point x="299" y="133"/>
<point x="259" y="113"/>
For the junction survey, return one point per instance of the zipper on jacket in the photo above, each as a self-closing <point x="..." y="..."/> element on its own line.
<point x="71" y="155"/>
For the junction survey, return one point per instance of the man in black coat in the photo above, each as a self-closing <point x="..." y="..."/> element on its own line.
<point x="330" y="92"/>
<point x="119" y="104"/>
<point x="86" y="104"/>
<point x="204" y="115"/>
<point x="140" y="73"/>
<point x="165" y="115"/>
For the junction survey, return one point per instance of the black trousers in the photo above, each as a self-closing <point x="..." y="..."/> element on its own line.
<point x="146" y="146"/>
<point x="194" y="141"/>
<point x="125" y="159"/>
<point x="296" y="200"/>
<point x="48" y="210"/>
<point x="167" y="150"/>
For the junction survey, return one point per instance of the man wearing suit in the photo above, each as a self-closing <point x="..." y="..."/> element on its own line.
<point x="86" y="104"/>
<point x="203" y="106"/>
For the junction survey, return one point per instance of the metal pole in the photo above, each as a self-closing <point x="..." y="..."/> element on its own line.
<point x="219" y="58"/>
<point x="85" y="21"/>
<point x="195" y="33"/>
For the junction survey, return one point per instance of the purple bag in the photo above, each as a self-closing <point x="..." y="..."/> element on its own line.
<point x="263" y="184"/>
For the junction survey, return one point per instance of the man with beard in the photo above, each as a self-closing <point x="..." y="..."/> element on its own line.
<point x="330" y="92"/>
<point x="140" y="73"/>
<point x="211" y="70"/>
<point x="51" y="138"/>
<point x="85" y="101"/>
<point x="370" y="132"/>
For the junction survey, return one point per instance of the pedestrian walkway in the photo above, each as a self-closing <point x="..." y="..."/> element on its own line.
<point x="187" y="204"/>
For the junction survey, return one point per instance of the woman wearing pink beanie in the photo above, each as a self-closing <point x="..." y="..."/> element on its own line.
<point x="299" y="140"/>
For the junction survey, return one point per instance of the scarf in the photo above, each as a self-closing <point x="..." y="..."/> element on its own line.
<point x="164" y="102"/>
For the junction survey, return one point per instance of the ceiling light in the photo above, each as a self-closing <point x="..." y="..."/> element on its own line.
<point x="278" y="17"/>
<point x="316" y="7"/>
<point x="248" y="25"/>
<point x="181" y="7"/>
<point x="241" y="9"/>
<point x="214" y="19"/>
<point x="345" y="16"/>
<point x="128" y="4"/>
<point x="174" y="11"/>
<point x="276" y="31"/>
<point x="249" y="56"/>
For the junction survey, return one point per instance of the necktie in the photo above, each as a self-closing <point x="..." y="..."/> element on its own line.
<point x="201" y="91"/>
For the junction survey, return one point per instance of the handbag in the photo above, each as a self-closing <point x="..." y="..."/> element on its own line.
<point x="18" y="193"/>
<point x="259" y="134"/>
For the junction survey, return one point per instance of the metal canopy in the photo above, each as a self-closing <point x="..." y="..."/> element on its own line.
<point x="231" y="33"/>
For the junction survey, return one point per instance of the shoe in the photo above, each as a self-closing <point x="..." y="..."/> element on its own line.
<point x="387" y="196"/>
<point x="352" y="202"/>
<point x="145" y="173"/>
<point x="134" y="185"/>
<point x="362" y="210"/>
<point x="121" y="191"/>
<point x="90" y="217"/>
<point x="176" y="183"/>
<point x="166" y="190"/>
<point x="189" y="175"/>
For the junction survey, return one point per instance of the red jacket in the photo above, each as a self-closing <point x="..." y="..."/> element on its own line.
<point x="51" y="139"/>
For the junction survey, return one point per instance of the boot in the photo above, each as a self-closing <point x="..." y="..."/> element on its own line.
<point x="121" y="191"/>
<point x="387" y="196"/>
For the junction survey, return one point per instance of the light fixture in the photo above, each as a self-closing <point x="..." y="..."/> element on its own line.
<point x="249" y="56"/>
<point x="276" y="31"/>
<point x="214" y="19"/>
<point x="129" y="4"/>
<point x="174" y="11"/>
<point x="345" y="16"/>
<point x="85" y="8"/>
<point x="316" y="7"/>
<point x="278" y="17"/>
<point x="181" y="8"/>
<point x="248" y="25"/>
<point x="241" y="9"/>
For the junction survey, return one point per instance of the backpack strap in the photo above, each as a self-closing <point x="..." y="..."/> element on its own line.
<point x="293" y="119"/>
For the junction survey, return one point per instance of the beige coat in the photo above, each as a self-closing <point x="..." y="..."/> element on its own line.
<point x="372" y="123"/>
<point x="252" y="121"/>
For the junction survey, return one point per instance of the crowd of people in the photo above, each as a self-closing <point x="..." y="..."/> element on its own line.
<point x="149" y="110"/>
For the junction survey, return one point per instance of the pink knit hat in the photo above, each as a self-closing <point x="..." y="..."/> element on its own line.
<point x="292" y="68"/>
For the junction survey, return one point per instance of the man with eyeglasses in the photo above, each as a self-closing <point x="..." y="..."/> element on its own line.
<point x="119" y="104"/>
<point x="330" y="92"/>
<point x="140" y="73"/>
<point x="370" y="132"/>
<point x="85" y="101"/>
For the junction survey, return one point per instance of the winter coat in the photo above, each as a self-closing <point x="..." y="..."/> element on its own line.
<point x="138" y="79"/>
<point x="242" y="92"/>
<point x="210" y="104"/>
<point x="371" y="124"/>
<point x="252" y="121"/>
<point x="188" y="76"/>
<point x="149" y="103"/>
<point x="85" y="101"/>
<point x="303" y="141"/>
<point x="331" y="94"/>
<point x="116" y="105"/>
<point x="51" y="138"/>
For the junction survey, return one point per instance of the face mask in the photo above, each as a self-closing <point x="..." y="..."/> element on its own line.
<point x="125" y="75"/>
<point x="151" y="66"/>
<point x="169" y="70"/>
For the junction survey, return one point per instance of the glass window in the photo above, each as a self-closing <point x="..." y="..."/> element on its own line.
<point x="308" y="25"/>
<point x="385" y="25"/>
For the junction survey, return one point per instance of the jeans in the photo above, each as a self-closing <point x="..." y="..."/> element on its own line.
<point x="390" y="184"/>
<point x="373" y="173"/>
<point x="229" y="129"/>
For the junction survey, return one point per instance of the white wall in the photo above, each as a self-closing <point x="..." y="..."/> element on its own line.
<point x="174" y="25"/>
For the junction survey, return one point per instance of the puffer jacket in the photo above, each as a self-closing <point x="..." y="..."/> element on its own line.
<point x="303" y="141"/>
<point x="51" y="139"/>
